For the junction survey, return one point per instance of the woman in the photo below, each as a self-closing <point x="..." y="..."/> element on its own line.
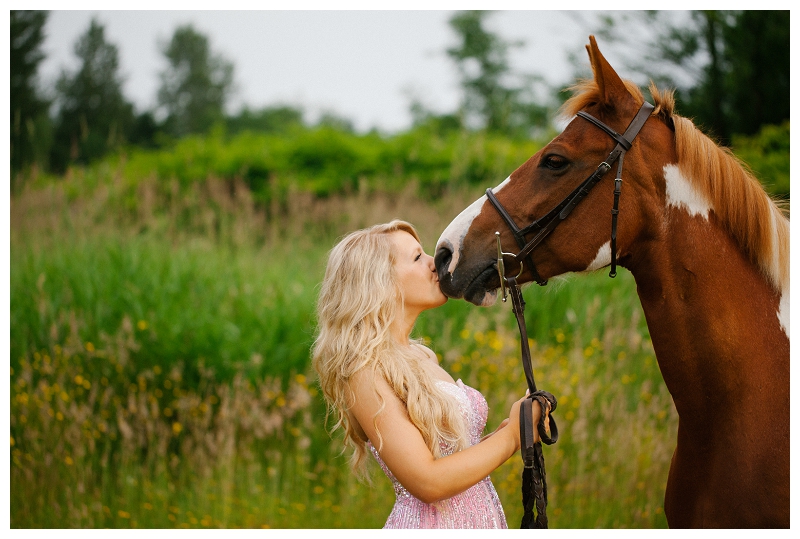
<point x="388" y="392"/>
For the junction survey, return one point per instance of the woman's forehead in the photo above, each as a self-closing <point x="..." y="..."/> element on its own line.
<point x="404" y="241"/>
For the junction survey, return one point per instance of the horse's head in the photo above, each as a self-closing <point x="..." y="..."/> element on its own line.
<point x="466" y="251"/>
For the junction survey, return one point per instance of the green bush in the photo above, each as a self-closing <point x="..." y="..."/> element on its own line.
<point x="767" y="154"/>
<point x="322" y="161"/>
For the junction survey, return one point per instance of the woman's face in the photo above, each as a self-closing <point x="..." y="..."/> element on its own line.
<point x="416" y="273"/>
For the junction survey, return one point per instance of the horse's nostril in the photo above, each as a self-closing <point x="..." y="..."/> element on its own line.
<point x="444" y="254"/>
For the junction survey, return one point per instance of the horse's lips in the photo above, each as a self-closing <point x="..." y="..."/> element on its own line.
<point x="476" y="291"/>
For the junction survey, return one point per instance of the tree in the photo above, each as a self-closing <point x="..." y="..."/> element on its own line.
<point x="730" y="69"/>
<point x="490" y="101"/>
<point x="29" y="121"/>
<point x="94" y="117"/>
<point x="195" y="86"/>
<point x="756" y="56"/>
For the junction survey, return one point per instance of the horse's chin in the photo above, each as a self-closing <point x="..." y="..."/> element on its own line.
<point x="479" y="293"/>
<point x="489" y="298"/>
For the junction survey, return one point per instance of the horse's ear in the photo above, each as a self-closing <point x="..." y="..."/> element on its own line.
<point x="612" y="89"/>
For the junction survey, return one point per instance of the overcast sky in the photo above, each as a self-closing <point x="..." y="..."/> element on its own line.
<point x="362" y="65"/>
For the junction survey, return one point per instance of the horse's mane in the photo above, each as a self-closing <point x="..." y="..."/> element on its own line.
<point x="757" y="222"/>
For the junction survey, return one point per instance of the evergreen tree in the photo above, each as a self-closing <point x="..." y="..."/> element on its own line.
<point x="29" y="122"/>
<point x="196" y="84"/>
<point x="94" y="117"/>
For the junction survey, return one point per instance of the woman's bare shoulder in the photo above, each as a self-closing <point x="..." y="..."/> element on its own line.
<point x="371" y="390"/>
<point x="429" y="354"/>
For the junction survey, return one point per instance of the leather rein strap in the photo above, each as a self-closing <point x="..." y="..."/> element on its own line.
<point x="543" y="226"/>
<point x="534" y="484"/>
<point x="534" y="481"/>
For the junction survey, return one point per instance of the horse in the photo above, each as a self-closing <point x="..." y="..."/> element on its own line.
<point x="709" y="253"/>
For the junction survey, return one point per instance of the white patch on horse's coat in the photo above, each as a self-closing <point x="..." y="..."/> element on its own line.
<point x="682" y="194"/>
<point x="602" y="259"/>
<point x="779" y="278"/>
<point x="783" y="312"/>
<point x="457" y="229"/>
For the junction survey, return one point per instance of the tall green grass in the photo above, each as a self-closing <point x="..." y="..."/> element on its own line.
<point x="236" y="312"/>
<point x="160" y="366"/>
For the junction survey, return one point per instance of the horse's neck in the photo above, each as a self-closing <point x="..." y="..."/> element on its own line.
<point x="713" y="320"/>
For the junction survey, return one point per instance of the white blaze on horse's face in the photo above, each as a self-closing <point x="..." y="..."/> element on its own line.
<point x="453" y="235"/>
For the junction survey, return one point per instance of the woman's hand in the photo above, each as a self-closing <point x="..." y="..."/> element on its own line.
<point x="513" y="420"/>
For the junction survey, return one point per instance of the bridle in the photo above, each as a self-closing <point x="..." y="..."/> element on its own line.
<point x="543" y="226"/>
<point x="534" y="484"/>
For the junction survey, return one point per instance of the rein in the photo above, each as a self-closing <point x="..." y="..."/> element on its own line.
<point x="534" y="484"/>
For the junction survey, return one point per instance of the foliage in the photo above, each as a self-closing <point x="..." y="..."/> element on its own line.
<point x="767" y="154"/>
<point x="322" y="161"/>
<point x="325" y="162"/>
<point x="196" y="84"/>
<point x="94" y="117"/>
<point x="29" y="125"/>
<point x="275" y="119"/>
<point x="751" y="88"/>
<point x="489" y="101"/>
<point x="141" y="287"/>
<point x="730" y="68"/>
<point x="757" y="69"/>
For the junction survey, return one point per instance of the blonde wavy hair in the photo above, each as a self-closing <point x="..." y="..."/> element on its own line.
<point x="358" y="302"/>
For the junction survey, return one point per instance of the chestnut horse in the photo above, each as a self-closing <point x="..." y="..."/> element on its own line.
<point x="709" y="251"/>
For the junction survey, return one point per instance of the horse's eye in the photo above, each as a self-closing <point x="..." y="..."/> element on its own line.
<point x="554" y="162"/>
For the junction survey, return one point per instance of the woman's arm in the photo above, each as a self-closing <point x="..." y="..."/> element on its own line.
<point x="500" y="426"/>
<point x="405" y="453"/>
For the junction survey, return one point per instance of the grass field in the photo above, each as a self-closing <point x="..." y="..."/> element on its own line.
<point x="160" y="367"/>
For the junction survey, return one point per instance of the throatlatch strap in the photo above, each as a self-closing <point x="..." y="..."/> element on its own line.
<point x="624" y="143"/>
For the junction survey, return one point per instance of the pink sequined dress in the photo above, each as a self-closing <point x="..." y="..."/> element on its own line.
<point x="476" y="507"/>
